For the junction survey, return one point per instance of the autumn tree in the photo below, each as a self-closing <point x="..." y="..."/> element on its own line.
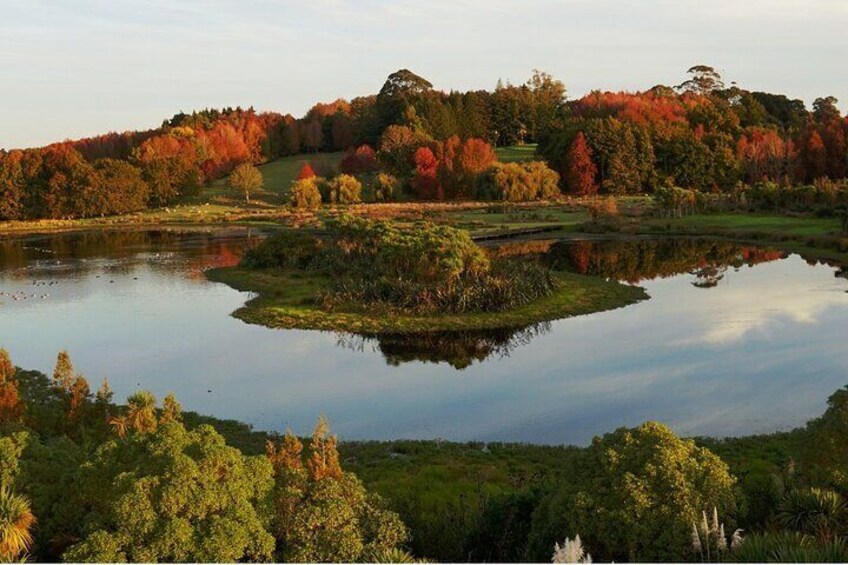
<point x="813" y="156"/>
<point x="305" y="172"/>
<point x="580" y="171"/>
<point x="321" y="513"/>
<point x="305" y="194"/>
<point x="344" y="189"/>
<point x="11" y="406"/>
<point x="63" y="372"/>
<point x="426" y="182"/>
<point x="12" y="186"/>
<point x="246" y="178"/>
<point x="461" y="164"/>
<point x="363" y="159"/>
<point x="119" y="187"/>
<point x="398" y="145"/>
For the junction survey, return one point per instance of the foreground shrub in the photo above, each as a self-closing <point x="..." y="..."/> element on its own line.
<point x="305" y="194"/>
<point x="789" y="547"/>
<point x="635" y="495"/>
<point x="520" y="182"/>
<point x="16" y="521"/>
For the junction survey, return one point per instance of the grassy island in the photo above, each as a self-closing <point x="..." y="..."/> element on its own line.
<point x="371" y="277"/>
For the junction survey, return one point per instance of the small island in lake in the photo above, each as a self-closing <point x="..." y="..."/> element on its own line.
<point x="372" y="276"/>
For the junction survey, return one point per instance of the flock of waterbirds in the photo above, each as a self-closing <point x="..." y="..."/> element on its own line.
<point x="23" y="295"/>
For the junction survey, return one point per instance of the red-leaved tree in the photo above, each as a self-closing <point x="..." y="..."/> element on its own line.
<point x="580" y="171"/>
<point x="425" y="182"/>
<point x="306" y="172"/>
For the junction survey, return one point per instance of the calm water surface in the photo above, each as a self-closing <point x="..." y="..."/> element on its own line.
<point x="733" y="341"/>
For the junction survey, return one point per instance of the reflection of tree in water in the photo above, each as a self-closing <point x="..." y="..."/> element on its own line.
<point x="708" y="276"/>
<point x="121" y="251"/>
<point x="459" y="349"/>
<point x="636" y="260"/>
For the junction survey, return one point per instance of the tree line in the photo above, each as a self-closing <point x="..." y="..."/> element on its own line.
<point x="698" y="135"/>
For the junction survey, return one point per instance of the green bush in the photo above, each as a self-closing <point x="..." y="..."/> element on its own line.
<point x="288" y="249"/>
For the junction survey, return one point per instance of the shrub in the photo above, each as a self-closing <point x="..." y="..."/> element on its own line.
<point x="344" y="189"/>
<point x="602" y="210"/>
<point x="675" y="202"/>
<point x="385" y="187"/>
<point x="789" y="547"/>
<point x="288" y="249"/>
<point x="520" y="182"/>
<point x="305" y="194"/>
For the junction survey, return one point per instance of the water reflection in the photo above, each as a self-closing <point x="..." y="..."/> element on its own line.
<point x="458" y="349"/>
<point x="638" y="260"/>
<point x="633" y="261"/>
<point x="757" y="352"/>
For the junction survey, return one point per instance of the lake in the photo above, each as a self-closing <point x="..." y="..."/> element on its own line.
<point x="733" y="341"/>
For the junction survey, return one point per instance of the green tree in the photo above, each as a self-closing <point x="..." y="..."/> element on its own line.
<point x="174" y="495"/>
<point x="397" y="96"/>
<point x="246" y="178"/>
<point x="634" y="496"/>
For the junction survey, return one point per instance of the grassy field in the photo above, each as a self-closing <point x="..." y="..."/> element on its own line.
<point x="286" y="301"/>
<point x="516" y="153"/>
<point x="278" y="176"/>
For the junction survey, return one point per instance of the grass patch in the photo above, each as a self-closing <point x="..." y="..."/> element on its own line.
<point x="285" y="301"/>
<point x="517" y="153"/>
<point x="816" y="238"/>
